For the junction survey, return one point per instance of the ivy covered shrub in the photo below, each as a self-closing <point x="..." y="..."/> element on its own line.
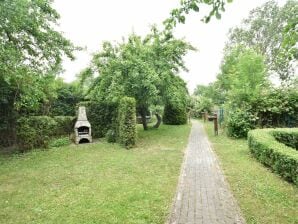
<point x="65" y="125"/>
<point x="279" y="157"/>
<point x="174" y="115"/>
<point x="288" y="137"/>
<point x="239" y="122"/>
<point x="102" y="117"/>
<point x="127" y="122"/>
<point x="35" y="132"/>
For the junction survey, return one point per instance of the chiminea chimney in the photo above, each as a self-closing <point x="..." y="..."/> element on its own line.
<point x="82" y="128"/>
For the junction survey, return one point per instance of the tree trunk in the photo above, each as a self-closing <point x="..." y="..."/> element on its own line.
<point x="158" y="117"/>
<point x="144" y="120"/>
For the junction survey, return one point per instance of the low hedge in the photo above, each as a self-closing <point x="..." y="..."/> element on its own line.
<point x="35" y="132"/>
<point x="281" y="158"/>
<point x="65" y="125"/>
<point x="289" y="137"/>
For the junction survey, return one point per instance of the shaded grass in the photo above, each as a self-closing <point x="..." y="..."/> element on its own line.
<point x="262" y="195"/>
<point x="94" y="183"/>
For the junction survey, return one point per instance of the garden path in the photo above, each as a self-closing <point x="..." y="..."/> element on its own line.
<point x="203" y="195"/>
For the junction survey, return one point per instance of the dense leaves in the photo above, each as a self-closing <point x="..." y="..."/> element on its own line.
<point x="127" y="122"/>
<point x="279" y="157"/>
<point x="270" y="30"/>
<point x="31" y="51"/>
<point x="142" y="68"/>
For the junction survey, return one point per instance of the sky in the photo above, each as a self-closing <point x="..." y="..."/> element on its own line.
<point x="87" y="23"/>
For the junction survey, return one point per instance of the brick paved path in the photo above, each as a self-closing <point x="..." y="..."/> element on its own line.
<point x="203" y="195"/>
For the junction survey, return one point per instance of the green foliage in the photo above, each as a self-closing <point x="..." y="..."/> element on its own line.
<point x="200" y="104"/>
<point x="281" y="158"/>
<point x="102" y="117"/>
<point x="288" y="137"/>
<point x="262" y="188"/>
<point x="142" y="68"/>
<point x="68" y="96"/>
<point x="59" y="142"/>
<point x="35" y="132"/>
<point x="174" y="115"/>
<point x="127" y="122"/>
<point x="269" y="29"/>
<point x="239" y="122"/>
<point x="31" y="51"/>
<point x="111" y="136"/>
<point x="178" y="15"/>
<point x="65" y="125"/>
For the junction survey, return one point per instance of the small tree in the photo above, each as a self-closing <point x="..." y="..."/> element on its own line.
<point x="127" y="122"/>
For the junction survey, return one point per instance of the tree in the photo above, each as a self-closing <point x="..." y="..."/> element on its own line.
<point x="268" y="29"/>
<point x="139" y="68"/>
<point x="178" y="15"/>
<point x="30" y="51"/>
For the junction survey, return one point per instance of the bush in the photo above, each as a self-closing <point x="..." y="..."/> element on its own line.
<point x="65" y="125"/>
<point x="281" y="158"/>
<point x="35" y="131"/>
<point x="59" y="142"/>
<point x="102" y="117"/>
<point x="239" y="122"/>
<point x="289" y="137"/>
<point x="111" y="136"/>
<point x="127" y="122"/>
<point x="174" y="115"/>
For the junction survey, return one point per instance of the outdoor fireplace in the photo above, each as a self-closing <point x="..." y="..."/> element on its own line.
<point x="82" y="128"/>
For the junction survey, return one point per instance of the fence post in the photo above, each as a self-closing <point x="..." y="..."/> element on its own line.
<point x="215" y="124"/>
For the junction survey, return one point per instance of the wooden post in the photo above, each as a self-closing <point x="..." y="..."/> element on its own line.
<point x="215" y="124"/>
<point x="205" y="116"/>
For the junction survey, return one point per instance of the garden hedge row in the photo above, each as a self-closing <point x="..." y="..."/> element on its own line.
<point x="281" y="158"/>
<point x="37" y="131"/>
<point x="102" y="116"/>
<point x="127" y="122"/>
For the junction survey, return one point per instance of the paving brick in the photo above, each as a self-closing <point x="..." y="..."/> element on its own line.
<point x="203" y="195"/>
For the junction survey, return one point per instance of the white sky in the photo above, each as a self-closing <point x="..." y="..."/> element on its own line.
<point x="90" y="22"/>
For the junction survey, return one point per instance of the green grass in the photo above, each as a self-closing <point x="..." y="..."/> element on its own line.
<point x="94" y="183"/>
<point x="262" y="195"/>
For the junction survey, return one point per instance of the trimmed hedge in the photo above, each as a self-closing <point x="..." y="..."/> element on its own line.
<point x="35" y="132"/>
<point x="65" y="125"/>
<point x="174" y="115"/>
<point x="281" y="158"/>
<point x="289" y="137"/>
<point x="102" y="116"/>
<point x="127" y="122"/>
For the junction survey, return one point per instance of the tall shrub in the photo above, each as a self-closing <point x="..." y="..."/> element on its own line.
<point x="174" y="114"/>
<point x="127" y="122"/>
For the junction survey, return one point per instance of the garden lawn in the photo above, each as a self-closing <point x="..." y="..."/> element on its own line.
<point x="94" y="183"/>
<point x="262" y="195"/>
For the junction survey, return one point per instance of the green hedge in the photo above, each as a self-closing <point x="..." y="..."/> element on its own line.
<point x="127" y="122"/>
<point x="281" y="158"/>
<point x="174" y="115"/>
<point x="35" y="132"/>
<point x="102" y="117"/>
<point x="65" y="125"/>
<point x="289" y="137"/>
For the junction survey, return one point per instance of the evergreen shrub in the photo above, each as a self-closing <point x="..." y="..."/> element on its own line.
<point x="174" y="115"/>
<point x="127" y="122"/>
<point x="280" y="158"/>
